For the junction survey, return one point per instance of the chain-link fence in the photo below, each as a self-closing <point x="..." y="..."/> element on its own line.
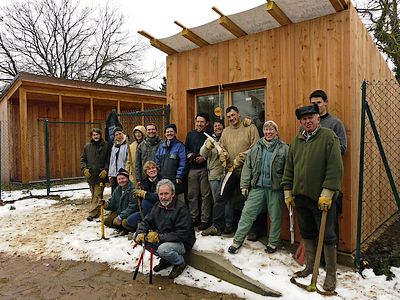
<point x="64" y="143"/>
<point x="379" y="158"/>
<point x="155" y="114"/>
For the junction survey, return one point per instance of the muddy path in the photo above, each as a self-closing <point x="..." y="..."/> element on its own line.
<point x="23" y="278"/>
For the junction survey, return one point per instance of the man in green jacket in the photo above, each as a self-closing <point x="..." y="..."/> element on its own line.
<point x="260" y="183"/>
<point x="94" y="166"/>
<point x="121" y="204"/>
<point x="313" y="174"/>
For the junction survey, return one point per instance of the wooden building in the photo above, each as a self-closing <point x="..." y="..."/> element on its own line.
<point x="267" y="61"/>
<point x="30" y="99"/>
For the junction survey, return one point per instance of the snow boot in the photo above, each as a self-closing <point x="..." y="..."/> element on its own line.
<point x="163" y="264"/>
<point x="330" y="259"/>
<point x="177" y="270"/>
<point x="310" y="251"/>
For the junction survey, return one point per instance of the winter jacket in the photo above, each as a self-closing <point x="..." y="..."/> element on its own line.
<point x="171" y="160"/>
<point x="150" y="188"/>
<point x="214" y="166"/>
<point x="95" y="157"/>
<point x="146" y="151"/>
<point x="252" y="167"/>
<point x="122" y="201"/>
<point x="118" y="157"/>
<point x="332" y="122"/>
<point x="173" y="223"/>
<point x="130" y="164"/>
<point x="194" y="141"/>
<point x="314" y="164"/>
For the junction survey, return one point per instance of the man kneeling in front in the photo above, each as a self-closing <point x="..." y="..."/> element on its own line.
<point x="169" y="228"/>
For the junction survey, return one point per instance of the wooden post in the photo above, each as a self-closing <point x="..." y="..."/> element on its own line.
<point x="23" y="136"/>
<point x="119" y="106"/>
<point x="61" y="138"/>
<point x="91" y="110"/>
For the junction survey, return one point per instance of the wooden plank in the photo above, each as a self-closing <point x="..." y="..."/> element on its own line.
<point x="191" y="36"/>
<point x="274" y="10"/>
<point x="228" y="24"/>
<point x="61" y="149"/>
<point x="157" y="44"/>
<point x="23" y="135"/>
<point x="91" y="110"/>
<point x="337" y="5"/>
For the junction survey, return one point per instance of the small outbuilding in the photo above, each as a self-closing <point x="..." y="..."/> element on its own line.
<point x="267" y="61"/>
<point x="30" y="99"/>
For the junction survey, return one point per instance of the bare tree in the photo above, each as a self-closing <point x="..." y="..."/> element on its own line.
<point x="60" y="38"/>
<point x="383" y="20"/>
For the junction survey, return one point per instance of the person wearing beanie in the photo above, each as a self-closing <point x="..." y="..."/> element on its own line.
<point x="139" y="133"/>
<point x="121" y="204"/>
<point x="171" y="160"/>
<point x="94" y="166"/>
<point x="260" y="183"/>
<point x="118" y="157"/>
<point x="146" y="150"/>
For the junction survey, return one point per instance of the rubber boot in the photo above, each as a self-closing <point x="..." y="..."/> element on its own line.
<point x="310" y="251"/>
<point x="330" y="260"/>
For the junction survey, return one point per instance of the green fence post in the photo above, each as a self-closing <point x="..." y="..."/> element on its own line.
<point x="47" y="150"/>
<point x="361" y="175"/>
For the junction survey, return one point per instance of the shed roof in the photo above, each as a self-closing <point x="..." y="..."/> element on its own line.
<point x="28" y="78"/>
<point x="264" y="17"/>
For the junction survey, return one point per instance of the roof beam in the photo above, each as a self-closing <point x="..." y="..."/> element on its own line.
<point x="338" y="5"/>
<point x="274" y="10"/>
<point x="191" y="36"/>
<point x="157" y="44"/>
<point x="229" y="24"/>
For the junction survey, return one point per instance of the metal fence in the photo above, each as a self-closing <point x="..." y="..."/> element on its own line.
<point x="379" y="159"/>
<point x="64" y="142"/>
<point x="158" y="116"/>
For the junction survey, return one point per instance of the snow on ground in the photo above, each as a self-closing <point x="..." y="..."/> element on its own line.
<point x="58" y="229"/>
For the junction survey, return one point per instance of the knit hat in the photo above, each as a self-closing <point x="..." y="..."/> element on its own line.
<point x="123" y="172"/>
<point x="117" y="129"/>
<point x="173" y="126"/>
<point x="307" y="110"/>
<point x="270" y="123"/>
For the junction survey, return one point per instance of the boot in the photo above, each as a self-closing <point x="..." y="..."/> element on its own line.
<point x="310" y="251"/>
<point x="330" y="260"/>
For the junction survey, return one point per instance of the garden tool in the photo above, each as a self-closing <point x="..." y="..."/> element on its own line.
<point x="216" y="144"/>
<point x="312" y="287"/>
<point x="291" y="221"/>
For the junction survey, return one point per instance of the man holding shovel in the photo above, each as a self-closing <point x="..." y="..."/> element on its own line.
<point x="313" y="174"/>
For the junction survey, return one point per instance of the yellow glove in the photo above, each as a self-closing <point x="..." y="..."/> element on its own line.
<point x="289" y="199"/>
<point x="223" y="157"/>
<point x="86" y="173"/>
<point x="209" y="144"/>
<point x="117" y="221"/>
<point x="235" y="165"/>
<point x="245" y="192"/>
<point x="138" y="193"/>
<point x="103" y="174"/>
<point x="325" y="199"/>
<point x="139" y="239"/>
<point x="152" y="237"/>
<point x="247" y="122"/>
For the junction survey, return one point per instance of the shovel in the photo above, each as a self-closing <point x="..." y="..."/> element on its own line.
<point x="312" y="287"/>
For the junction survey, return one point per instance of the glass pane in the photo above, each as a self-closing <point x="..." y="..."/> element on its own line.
<point x="209" y="103"/>
<point x="251" y="105"/>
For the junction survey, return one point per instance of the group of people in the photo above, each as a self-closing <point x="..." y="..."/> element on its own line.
<point x="221" y="181"/>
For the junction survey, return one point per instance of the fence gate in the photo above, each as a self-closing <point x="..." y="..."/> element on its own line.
<point x="379" y="158"/>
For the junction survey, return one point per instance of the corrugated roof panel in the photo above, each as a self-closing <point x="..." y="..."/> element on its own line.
<point x="178" y="43"/>
<point x="299" y="11"/>
<point x="213" y="32"/>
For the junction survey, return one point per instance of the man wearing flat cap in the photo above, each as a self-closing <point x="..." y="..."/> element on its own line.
<point x="118" y="157"/>
<point x="171" y="159"/>
<point x="313" y="174"/>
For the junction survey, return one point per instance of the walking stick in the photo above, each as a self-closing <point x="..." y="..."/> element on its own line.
<point x="151" y="265"/>
<point x="103" y="236"/>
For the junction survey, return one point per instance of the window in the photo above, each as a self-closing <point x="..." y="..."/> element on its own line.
<point x="209" y="103"/>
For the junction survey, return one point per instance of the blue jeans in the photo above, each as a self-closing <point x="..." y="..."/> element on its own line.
<point x="135" y="218"/>
<point x="172" y="252"/>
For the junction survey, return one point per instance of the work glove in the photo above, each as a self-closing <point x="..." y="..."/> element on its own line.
<point x="138" y="193"/>
<point x="86" y="173"/>
<point x="117" y="221"/>
<point x="209" y="144"/>
<point x="139" y="239"/>
<point x="247" y="122"/>
<point x="245" y="192"/>
<point x="235" y="165"/>
<point x="289" y="199"/>
<point x="325" y="199"/>
<point x="152" y="237"/>
<point x="103" y="174"/>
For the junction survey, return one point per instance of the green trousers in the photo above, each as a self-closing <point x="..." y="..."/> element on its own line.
<point x="260" y="199"/>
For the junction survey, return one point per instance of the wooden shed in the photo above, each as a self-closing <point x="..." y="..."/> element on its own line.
<point x="267" y="61"/>
<point x="30" y="99"/>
